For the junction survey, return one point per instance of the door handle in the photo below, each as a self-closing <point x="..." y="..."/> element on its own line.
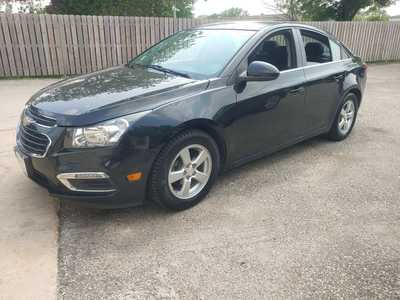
<point x="338" y="77"/>
<point x="297" y="91"/>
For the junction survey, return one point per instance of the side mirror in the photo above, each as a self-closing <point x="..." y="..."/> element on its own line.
<point x="261" y="71"/>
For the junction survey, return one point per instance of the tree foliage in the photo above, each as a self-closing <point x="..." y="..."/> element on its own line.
<point x="160" y="8"/>
<point x="373" y="13"/>
<point x="231" y="13"/>
<point x="320" y="10"/>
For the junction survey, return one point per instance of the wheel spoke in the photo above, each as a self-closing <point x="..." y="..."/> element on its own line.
<point x="185" y="156"/>
<point x="350" y="115"/>
<point x="342" y="121"/>
<point x="184" y="192"/>
<point x="201" y="177"/>
<point x="345" y="125"/>
<point x="200" y="159"/>
<point x="349" y="107"/>
<point x="175" y="176"/>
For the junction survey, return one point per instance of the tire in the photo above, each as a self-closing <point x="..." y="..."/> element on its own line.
<point x="340" y="131"/>
<point x="189" y="190"/>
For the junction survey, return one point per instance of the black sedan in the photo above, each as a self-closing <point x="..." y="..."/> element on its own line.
<point x="163" y="126"/>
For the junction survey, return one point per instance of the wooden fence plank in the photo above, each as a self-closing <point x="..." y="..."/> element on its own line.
<point x="97" y="42"/>
<point x="2" y="72"/>
<point x="52" y="44"/>
<point x="123" y="40"/>
<point x="7" y="40"/>
<point x="107" y="41"/>
<point x="46" y="48"/>
<point x="152" y="31"/>
<point x="112" y="42"/>
<point x="118" y="40"/>
<point x="86" y="43"/>
<point x="79" y="44"/>
<point x="142" y="34"/>
<point x="14" y="44"/>
<point x="156" y="30"/>
<point x="132" y="25"/>
<point x="103" y="48"/>
<point x="69" y="45"/>
<point x="3" y="53"/>
<point x="28" y="46"/>
<point x="128" y="35"/>
<point x="74" y="35"/>
<point x="90" y="27"/>
<point x="41" y="46"/>
<point x="21" y="45"/>
<point x="59" y="39"/>
<point x="34" y="46"/>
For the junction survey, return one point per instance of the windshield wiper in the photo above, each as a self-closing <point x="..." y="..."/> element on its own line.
<point x="166" y="70"/>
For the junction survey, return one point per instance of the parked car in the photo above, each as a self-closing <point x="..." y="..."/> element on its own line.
<point x="204" y="100"/>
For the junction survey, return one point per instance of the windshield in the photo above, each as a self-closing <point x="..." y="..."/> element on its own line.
<point x="200" y="54"/>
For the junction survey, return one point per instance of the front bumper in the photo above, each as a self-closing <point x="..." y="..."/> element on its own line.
<point x="116" y="163"/>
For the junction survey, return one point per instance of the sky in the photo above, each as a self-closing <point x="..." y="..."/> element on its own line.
<point x="254" y="7"/>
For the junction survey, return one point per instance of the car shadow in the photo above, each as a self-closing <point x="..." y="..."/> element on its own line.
<point x="75" y="212"/>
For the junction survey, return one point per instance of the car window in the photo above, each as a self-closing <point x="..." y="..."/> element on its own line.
<point x="199" y="53"/>
<point x="336" y="50"/>
<point x="277" y="49"/>
<point x="317" y="48"/>
<point x="345" y="53"/>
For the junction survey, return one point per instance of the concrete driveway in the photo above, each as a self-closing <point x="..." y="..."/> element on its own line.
<point x="318" y="220"/>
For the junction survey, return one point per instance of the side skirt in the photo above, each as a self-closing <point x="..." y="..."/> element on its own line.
<point x="259" y="155"/>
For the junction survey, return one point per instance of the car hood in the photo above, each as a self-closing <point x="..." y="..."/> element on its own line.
<point x="110" y="93"/>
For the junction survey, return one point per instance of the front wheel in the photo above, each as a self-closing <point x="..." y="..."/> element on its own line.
<point x="345" y="119"/>
<point x="185" y="170"/>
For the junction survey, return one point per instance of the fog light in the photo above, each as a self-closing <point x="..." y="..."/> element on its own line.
<point x="94" y="182"/>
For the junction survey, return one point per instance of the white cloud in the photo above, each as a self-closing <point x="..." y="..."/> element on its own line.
<point x="394" y="10"/>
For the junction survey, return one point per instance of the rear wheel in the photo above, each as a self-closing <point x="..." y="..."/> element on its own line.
<point x="185" y="170"/>
<point x="345" y="119"/>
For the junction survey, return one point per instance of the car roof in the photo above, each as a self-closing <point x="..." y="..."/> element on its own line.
<point x="255" y="25"/>
<point x="238" y="25"/>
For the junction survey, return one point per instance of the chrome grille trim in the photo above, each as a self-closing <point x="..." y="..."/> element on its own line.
<point x="33" y="143"/>
<point x="40" y="119"/>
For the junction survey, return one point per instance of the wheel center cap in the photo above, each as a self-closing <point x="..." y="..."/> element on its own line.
<point x="190" y="171"/>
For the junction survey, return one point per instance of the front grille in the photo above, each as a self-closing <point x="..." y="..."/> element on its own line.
<point x="33" y="142"/>
<point x="39" y="118"/>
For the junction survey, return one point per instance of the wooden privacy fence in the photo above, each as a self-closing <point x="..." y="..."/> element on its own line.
<point x="50" y="45"/>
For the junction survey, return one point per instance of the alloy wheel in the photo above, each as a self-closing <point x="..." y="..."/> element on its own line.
<point x="346" y="117"/>
<point x="190" y="171"/>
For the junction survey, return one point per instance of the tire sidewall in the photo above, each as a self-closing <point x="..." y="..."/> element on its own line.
<point x="339" y="135"/>
<point x="165" y="195"/>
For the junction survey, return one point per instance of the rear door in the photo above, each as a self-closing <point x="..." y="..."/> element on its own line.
<point x="324" y="74"/>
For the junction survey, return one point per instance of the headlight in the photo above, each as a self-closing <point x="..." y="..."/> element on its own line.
<point x="100" y="135"/>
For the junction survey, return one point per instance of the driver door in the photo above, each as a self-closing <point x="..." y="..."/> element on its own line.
<point x="271" y="112"/>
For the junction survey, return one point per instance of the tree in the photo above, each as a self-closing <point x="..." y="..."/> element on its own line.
<point x="320" y="10"/>
<point x="231" y="13"/>
<point x="289" y="8"/>
<point x="159" y="8"/>
<point x="373" y="13"/>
